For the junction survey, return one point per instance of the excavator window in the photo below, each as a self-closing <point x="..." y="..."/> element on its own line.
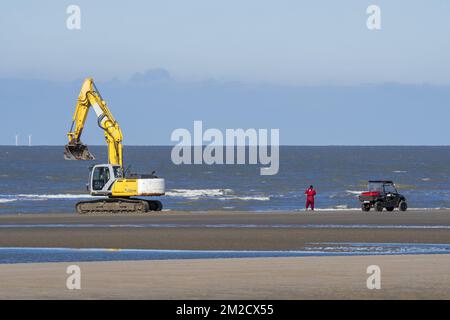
<point x="118" y="172"/>
<point x="100" y="178"/>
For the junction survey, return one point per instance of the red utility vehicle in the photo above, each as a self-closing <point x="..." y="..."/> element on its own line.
<point x="382" y="194"/>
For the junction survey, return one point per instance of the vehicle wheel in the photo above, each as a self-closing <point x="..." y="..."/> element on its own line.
<point x="159" y="206"/>
<point x="365" y="207"/>
<point x="403" y="206"/>
<point x="379" y="206"/>
<point x="390" y="209"/>
<point x="79" y="208"/>
<point x="155" y="205"/>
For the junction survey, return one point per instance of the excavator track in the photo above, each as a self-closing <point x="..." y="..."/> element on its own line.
<point x="118" y="206"/>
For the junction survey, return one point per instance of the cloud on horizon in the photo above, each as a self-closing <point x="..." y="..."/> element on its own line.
<point x="151" y="75"/>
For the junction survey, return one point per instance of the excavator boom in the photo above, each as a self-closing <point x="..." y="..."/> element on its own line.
<point x="90" y="97"/>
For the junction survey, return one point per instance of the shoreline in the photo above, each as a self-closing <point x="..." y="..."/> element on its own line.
<point x="222" y="230"/>
<point x="225" y="210"/>
<point x="233" y="211"/>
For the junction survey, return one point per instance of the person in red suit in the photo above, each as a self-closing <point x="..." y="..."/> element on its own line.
<point x="310" y="193"/>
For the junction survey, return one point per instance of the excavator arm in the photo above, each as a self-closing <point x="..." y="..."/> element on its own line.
<point x="90" y="97"/>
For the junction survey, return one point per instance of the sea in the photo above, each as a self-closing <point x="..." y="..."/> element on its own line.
<point x="37" y="179"/>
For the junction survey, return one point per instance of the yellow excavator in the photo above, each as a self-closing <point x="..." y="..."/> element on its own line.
<point x="109" y="181"/>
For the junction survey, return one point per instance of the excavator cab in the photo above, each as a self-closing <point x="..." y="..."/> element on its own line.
<point x="102" y="178"/>
<point x="77" y="151"/>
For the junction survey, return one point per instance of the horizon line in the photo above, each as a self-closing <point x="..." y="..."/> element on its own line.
<point x="281" y="145"/>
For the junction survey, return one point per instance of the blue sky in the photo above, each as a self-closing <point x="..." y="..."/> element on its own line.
<point x="256" y="55"/>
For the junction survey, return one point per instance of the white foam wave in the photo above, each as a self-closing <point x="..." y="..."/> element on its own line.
<point x="247" y="198"/>
<point x="197" y="193"/>
<point x="341" y="206"/>
<point x="219" y="194"/>
<point x="55" y="196"/>
<point x="7" y="200"/>
<point x="354" y="192"/>
<point x="36" y="197"/>
<point x="338" y="208"/>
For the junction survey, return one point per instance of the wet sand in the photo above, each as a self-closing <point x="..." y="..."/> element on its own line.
<point x="223" y="230"/>
<point x="344" y="277"/>
<point x="402" y="277"/>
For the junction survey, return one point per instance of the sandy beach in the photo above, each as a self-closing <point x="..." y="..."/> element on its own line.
<point x="402" y="277"/>
<point x="331" y="277"/>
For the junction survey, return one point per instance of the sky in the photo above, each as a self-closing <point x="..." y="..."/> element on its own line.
<point x="309" y="68"/>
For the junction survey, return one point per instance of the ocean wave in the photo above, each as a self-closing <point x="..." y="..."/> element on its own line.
<point x="219" y="194"/>
<point x="353" y="192"/>
<point x="427" y="209"/>
<point x="37" y="197"/>
<point x="341" y="206"/>
<point x="246" y="198"/>
<point x="338" y="208"/>
<point x="7" y="200"/>
<point x="198" y="193"/>
<point x="54" y="196"/>
<point x="344" y="194"/>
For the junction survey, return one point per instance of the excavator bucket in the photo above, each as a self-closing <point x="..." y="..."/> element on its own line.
<point x="77" y="151"/>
